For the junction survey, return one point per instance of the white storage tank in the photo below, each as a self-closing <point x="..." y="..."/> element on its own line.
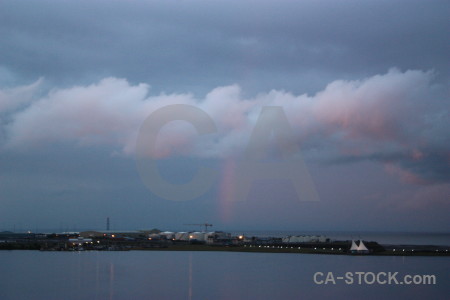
<point x="198" y="236"/>
<point x="168" y="235"/>
<point x="182" y="236"/>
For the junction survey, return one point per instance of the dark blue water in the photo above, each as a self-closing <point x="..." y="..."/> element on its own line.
<point x="207" y="275"/>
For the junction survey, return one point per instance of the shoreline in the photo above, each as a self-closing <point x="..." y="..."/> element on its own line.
<point x="256" y="249"/>
<point x="155" y="240"/>
<point x="295" y="250"/>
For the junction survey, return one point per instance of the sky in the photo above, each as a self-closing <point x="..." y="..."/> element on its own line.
<point x="252" y="109"/>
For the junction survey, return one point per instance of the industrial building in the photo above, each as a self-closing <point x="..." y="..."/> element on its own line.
<point x="305" y="239"/>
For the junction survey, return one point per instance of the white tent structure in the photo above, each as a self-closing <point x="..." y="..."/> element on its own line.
<point x="358" y="249"/>
<point x="362" y="247"/>
<point x="354" y="247"/>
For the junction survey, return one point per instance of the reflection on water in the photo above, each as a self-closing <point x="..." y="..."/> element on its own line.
<point x="205" y="275"/>
<point x="190" y="276"/>
<point x="111" y="280"/>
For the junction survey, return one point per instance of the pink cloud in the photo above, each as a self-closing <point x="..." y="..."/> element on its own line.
<point x="396" y="112"/>
<point x="404" y="175"/>
<point x="419" y="199"/>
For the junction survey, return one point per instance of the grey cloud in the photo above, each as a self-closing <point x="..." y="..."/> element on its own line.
<point x="195" y="45"/>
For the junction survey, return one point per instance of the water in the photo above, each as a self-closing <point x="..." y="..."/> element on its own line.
<point x="206" y="275"/>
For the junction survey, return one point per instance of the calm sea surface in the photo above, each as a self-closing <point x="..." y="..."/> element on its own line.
<point x="208" y="275"/>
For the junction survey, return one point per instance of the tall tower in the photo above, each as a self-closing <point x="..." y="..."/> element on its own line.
<point x="107" y="223"/>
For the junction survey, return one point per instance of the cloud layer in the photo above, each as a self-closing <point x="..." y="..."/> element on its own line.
<point x="400" y="119"/>
<point x="197" y="45"/>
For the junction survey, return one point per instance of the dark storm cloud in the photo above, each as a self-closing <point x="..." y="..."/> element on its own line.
<point x="195" y="45"/>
